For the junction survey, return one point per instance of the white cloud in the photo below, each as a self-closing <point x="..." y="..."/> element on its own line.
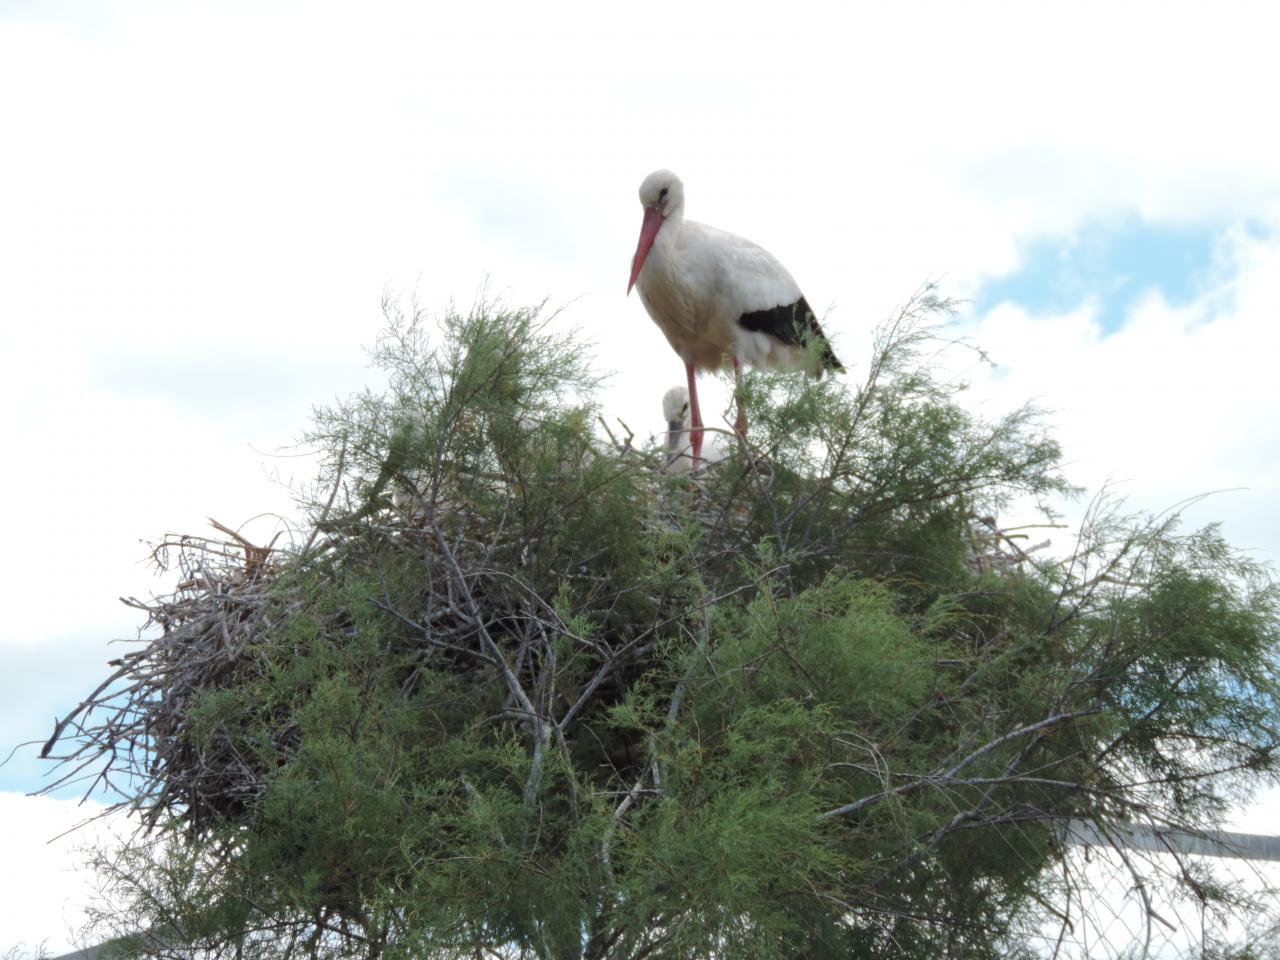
<point x="201" y="208"/>
<point x="1180" y="401"/>
<point x="46" y="885"/>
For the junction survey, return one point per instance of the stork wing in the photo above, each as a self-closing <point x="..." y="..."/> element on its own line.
<point x="792" y="323"/>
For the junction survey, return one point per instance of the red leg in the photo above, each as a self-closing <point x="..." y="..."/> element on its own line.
<point x="695" y="415"/>
<point x="740" y="424"/>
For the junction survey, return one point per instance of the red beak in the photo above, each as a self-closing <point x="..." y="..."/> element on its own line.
<point x="648" y="230"/>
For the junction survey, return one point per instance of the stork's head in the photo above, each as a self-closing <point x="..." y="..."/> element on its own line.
<point x="662" y="196"/>
<point x="675" y="409"/>
<point x="663" y="190"/>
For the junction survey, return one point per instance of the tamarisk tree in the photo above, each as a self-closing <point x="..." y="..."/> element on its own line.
<point x="516" y="693"/>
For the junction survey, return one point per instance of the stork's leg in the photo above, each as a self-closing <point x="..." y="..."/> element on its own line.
<point x="740" y="424"/>
<point x="695" y="415"/>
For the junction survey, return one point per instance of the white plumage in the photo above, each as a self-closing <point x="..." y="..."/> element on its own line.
<point x="719" y="299"/>
<point x="675" y="410"/>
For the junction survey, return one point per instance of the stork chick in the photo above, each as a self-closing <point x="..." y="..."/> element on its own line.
<point x="675" y="410"/>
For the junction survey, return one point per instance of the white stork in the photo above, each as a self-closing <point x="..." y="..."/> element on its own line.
<point x="678" y="457"/>
<point x="715" y="295"/>
<point x="675" y="410"/>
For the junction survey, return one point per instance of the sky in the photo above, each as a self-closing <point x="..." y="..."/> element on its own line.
<point x="201" y="207"/>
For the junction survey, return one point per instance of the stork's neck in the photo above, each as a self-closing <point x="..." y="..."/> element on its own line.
<point x="677" y="442"/>
<point x="671" y="226"/>
<point x="677" y="435"/>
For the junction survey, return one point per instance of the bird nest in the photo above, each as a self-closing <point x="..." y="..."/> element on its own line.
<point x="139" y="734"/>
<point x="136" y="735"/>
<point x="129" y="736"/>
<point x="488" y="536"/>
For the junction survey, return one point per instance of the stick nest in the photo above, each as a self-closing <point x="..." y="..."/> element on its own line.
<point x="133" y="734"/>
<point x="496" y="534"/>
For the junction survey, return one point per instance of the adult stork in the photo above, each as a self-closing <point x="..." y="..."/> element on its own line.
<point x="718" y="297"/>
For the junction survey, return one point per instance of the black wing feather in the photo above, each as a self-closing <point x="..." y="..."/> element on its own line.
<point x="793" y="324"/>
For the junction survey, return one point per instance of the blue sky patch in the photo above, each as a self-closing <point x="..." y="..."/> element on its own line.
<point x="46" y="682"/>
<point x="1111" y="264"/>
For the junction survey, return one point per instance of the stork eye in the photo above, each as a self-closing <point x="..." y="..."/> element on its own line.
<point x="662" y="194"/>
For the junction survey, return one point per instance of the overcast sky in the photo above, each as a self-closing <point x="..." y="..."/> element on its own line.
<point x="200" y="209"/>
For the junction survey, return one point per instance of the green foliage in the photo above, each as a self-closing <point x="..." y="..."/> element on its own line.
<point x="526" y="694"/>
